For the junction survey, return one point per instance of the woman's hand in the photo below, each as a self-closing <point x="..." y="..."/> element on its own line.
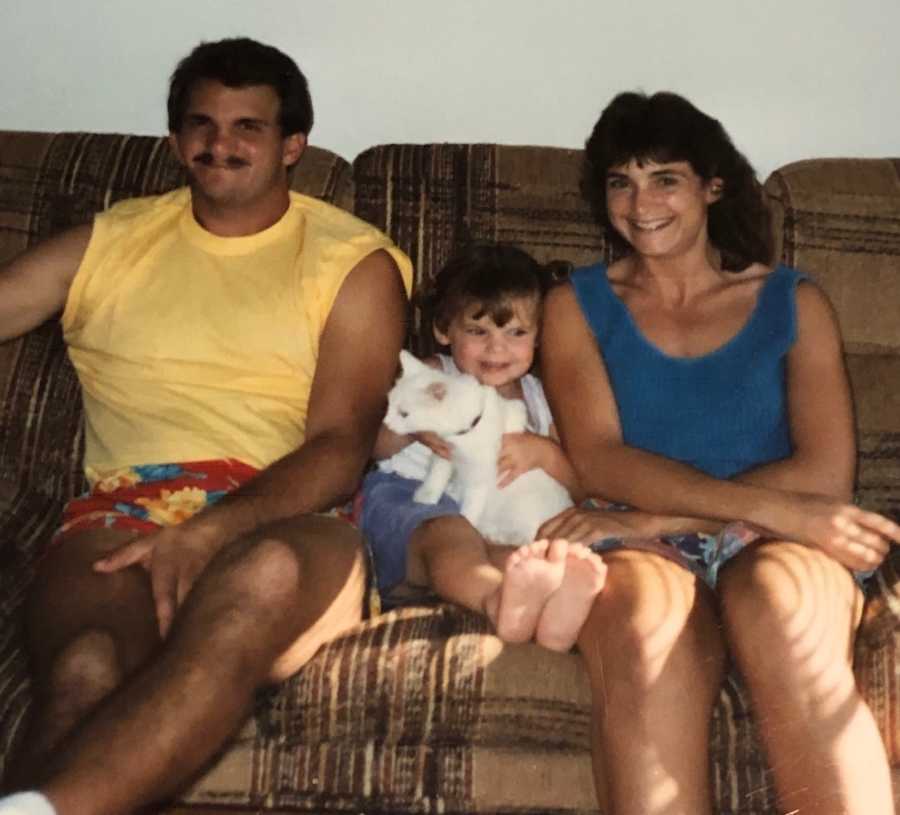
<point x="855" y="537"/>
<point x="579" y="525"/>
<point x="519" y="453"/>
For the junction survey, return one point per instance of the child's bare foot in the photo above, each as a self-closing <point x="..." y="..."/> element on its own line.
<point x="568" y="607"/>
<point x="532" y="574"/>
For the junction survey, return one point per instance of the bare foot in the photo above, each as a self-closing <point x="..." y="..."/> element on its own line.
<point x="532" y="574"/>
<point x="568" y="607"/>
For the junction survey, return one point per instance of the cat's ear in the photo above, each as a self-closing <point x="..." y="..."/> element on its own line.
<point x="410" y="365"/>
<point x="437" y="391"/>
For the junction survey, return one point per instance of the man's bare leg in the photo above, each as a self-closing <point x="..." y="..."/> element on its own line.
<point x="655" y="659"/>
<point x="791" y="615"/>
<point x="84" y="632"/>
<point x="259" y="611"/>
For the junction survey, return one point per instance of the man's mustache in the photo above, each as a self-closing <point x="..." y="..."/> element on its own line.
<point x="232" y="162"/>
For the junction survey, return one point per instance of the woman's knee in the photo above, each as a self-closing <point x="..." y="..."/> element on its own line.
<point x="792" y="608"/>
<point x="649" y="607"/>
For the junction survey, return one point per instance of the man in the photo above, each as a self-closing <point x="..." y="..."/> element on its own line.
<point x="234" y="342"/>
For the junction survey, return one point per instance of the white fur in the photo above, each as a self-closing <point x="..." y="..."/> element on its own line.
<point x="448" y="404"/>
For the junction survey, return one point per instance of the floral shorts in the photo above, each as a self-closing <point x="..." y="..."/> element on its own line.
<point x="146" y="497"/>
<point x="701" y="554"/>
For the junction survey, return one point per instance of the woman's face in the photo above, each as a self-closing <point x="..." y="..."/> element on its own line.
<point x="660" y="209"/>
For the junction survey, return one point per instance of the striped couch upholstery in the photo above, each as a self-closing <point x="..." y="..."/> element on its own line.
<point x="422" y="709"/>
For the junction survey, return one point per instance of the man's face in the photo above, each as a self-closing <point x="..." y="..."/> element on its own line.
<point x="231" y="144"/>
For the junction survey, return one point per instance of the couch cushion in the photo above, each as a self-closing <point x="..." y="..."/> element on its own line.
<point x="839" y="220"/>
<point x="427" y="700"/>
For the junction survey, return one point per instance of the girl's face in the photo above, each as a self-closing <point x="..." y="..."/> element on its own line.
<point x="660" y="209"/>
<point x="495" y="355"/>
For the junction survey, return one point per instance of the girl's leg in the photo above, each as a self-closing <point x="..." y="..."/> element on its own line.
<point x="655" y="659"/>
<point x="791" y="613"/>
<point x="448" y="554"/>
<point x="509" y="585"/>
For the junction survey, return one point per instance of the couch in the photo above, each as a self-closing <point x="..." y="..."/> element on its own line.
<point x="422" y="709"/>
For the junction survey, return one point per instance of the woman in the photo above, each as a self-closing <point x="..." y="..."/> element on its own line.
<point x="717" y="393"/>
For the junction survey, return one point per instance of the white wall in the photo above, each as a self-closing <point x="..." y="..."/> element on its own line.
<point x="789" y="79"/>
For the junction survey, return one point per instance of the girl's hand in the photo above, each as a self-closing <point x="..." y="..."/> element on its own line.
<point x="856" y="538"/>
<point x="434" y="443"/>
<point x="519" y="453"/>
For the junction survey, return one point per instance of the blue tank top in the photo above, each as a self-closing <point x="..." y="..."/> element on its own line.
<point x="723" y="413"/>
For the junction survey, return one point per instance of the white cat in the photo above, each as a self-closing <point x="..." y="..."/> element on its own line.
<point x="472" y="418"/>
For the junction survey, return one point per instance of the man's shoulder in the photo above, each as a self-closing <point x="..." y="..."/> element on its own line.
<point x="336" y="240"/>
<point x="333" y="223"/>
<point x="128" y="209"/>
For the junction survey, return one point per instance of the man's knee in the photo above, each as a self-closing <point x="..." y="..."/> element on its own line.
<point x="85" y="670"/>
<point x="288" y="559"/>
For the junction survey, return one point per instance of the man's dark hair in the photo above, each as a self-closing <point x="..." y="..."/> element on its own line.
<point x="238" y="63"/>
<point x="666" y="127"/>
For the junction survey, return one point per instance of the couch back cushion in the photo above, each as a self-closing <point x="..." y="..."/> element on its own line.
<point x="839" y="220"/>
<point x="49" y="182"/>
<point x="432" y="198"/>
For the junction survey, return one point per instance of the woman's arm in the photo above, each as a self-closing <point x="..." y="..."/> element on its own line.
<point x="820" y="408"/>
<point x="584" y="408"/>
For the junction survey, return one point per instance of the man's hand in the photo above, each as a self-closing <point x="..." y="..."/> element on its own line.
<point x="174" y="557"/>
<point x="856" y="538"/>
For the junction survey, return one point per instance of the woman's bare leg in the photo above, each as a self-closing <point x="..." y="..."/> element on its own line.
<point x="791" y="613"/>
<point x="654" y="655"/>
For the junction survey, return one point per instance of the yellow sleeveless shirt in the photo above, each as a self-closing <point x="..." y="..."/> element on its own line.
<point x="191" y="346"/>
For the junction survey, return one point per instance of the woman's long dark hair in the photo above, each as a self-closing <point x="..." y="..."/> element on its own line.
<point x="666" y="127"/>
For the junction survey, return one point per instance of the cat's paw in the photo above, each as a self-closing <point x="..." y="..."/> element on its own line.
<point x="426" y="495"/>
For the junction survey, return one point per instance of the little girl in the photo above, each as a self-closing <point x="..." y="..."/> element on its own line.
<point x="485" y="305"/>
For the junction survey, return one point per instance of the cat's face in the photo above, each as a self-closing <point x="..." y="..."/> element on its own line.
<point x="427" y="399"/>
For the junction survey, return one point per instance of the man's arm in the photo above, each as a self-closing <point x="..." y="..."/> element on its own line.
<point x="357" y="362"/>
<point x="35" y="284"/>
